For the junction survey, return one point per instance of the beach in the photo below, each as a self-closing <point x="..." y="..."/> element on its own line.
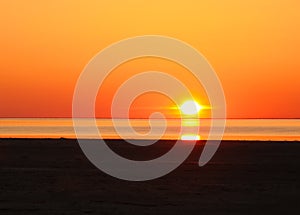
<point x="52" y="176"/>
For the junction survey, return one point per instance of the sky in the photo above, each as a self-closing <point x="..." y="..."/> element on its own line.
<point x="252" y="45"/>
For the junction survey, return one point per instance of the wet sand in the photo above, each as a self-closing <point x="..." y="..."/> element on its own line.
<point x="52" y="176"/>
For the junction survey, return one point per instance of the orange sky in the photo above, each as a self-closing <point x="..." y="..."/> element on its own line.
<point x="252" y="45"/>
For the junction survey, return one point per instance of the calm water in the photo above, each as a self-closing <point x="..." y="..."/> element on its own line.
<point x="244" y="129"/>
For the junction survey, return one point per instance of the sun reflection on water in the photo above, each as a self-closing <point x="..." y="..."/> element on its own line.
<point x="190" y="129"/>
<point x="190" y="137"/>
<point x="190" y="122"/>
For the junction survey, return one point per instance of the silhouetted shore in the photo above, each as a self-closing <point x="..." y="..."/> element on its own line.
<point x="52" y="176"/>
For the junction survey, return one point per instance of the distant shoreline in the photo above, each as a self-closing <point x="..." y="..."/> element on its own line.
<point x="167" y="140"/>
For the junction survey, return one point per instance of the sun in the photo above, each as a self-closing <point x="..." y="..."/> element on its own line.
<point x="190" y="107"/>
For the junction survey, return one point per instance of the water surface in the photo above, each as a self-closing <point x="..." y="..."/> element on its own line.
<point x="236" y="129"/>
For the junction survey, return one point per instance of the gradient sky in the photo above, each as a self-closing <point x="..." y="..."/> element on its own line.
<point x="252" y="45"/>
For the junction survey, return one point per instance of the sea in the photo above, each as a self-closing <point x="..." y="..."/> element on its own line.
<point x="168" y="129"/>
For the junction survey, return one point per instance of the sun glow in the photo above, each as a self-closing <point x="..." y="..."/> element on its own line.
<point x="190" y="107"/>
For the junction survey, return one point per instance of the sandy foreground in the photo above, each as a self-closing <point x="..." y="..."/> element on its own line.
<point x="52" y="176"/>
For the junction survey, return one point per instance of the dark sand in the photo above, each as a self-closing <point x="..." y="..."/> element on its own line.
<point x="54" y="177"/>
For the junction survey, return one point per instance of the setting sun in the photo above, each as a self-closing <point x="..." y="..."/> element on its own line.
<point x="190" y="107"/>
